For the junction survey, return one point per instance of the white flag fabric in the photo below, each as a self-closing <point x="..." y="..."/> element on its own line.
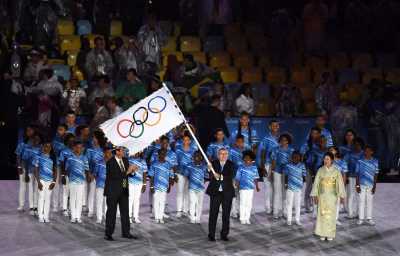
<point x="144" y="122"/>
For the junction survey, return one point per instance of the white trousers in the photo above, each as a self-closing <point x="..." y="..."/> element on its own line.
<point x="366" y="200"/>
<point x="56" y="192"/>
<point x="236" y="203"/>
<point x="75" y="200"/>
<point x="293" y="198"/>
<point x="44" y="201"/>
<point x="268" y="190"/>
<point x="351" y="197"/>
<point x="33" y="191"/>
<point x="85" y="193"/>
<point x="278" y="194"/>
<point x="246" y="203"/>
<point x="65" y="193"/>
<point x="159" y="199"/>
<point x="101" y="206"/>
<point x="135" y="192"/>
<point x="182" y="194"/>
<point x="196" y="205"/>
<point x="91" y="196"/>
<point x="22" y="189"/>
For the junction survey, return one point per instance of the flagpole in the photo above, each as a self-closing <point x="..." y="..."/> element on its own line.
<point x="216" y="175"/>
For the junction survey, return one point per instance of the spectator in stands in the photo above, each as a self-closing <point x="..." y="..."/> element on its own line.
<point x="326" y="94"/>
<point x="153" y="85"/>
<point x="130" y="56"/>
<point x="104" y="89"/>
<point x="344" y="117"/>
<point x="113" y="108"/>
<point x="130" y="91"/>
<point x="288" y="100"/>
<point x="226" y="99"/>
<point x="81" y="58"/>
<point x="74" y="97"/>
<point x="34" y="66"/>
<point x="99" y="61"/>
<point x="245" y="101"/>
<point x="192" y="72"/>
<point x="173" y="71"/>
<point x="48" y="84"/>
<point x="315" y="15"/>
<point x="151" y="38"/>
<point x="101" y="114"/>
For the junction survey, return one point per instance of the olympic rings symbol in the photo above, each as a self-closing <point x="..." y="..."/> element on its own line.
<point x="142" y="121"/>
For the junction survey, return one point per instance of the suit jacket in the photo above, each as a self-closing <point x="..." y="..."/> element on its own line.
<point x="115" y="177"/>
<point x="227" y="182"/>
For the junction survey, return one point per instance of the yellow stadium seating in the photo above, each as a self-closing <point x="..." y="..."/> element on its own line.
<point x="232" y="30"/>
<point x="76" y="73"/>
<point x="236" y="45"/>
<point x="65" y="27"/>
<point x="91" y="38"/>
<point x="67" y="43"/>
<point x="308" y="93"/>
<point x="264" y="109"/>
<point x="190" y="44"/>
<point x="300" y="76"/>
<point x="199" y="57"/>
<point x="338" y="61"/>
<point x="264" y="61"/>
<point x="220" y="59"/>
<point x="276" y="75"/>
<point x="72" y="57"/>
<point x="252" y="75"/>
<point x="170" y="45"/>
<point x="369" y="74"/>
<point x="315" y="62"/>
<point x="178" y="55"/>
<point x="229" y="74"/>
<point x="55" y="61"/>
<point x="116" y="28"/>
<point x="393" y="76"/>
<point x="362" y="61"/>
<point x="243" y="60"/>
<point x="161" y="74"/>
<point x="177" y="29"/>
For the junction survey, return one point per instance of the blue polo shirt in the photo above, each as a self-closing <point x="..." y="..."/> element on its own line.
<point x="196" y="175"/>
<point x="184" y="157"/>
<point x="246" y="135"/>
<point x="94" y="155"/>
<point x="282" y="157"/>
<point x="366" y="169"/>
<point x="246" y="175"/>
<point x="137" y="177"/>
<point x="268" y="143"/>
<point x="214" y="147"/>
<point x="76" y="166"/>
<point x="45" y="165"/>
<point x="100" y="173"/>
<point x="295" y="174"/>
<point x="161" y="172"/>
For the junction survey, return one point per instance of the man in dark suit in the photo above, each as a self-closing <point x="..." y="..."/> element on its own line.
<point x="221" y="191"/>
<point x="117" y="192"/>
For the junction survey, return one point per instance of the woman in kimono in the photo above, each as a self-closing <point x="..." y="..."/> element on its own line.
<point x="328" y="187"/>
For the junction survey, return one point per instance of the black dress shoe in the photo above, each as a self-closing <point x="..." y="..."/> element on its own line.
<point x="130" y="236"/>
<point x="224" y="238"/>
<point x="108" y="238"/>
<point x="211" y="238"/>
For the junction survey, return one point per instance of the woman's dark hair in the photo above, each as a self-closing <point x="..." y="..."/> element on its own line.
<point x="31" y="126"/>
<point x="240" y="127"/>
<point x="133" y="71"/>
<point x="338" y="155"/>
<point x="330" y="155"/>
<point x="347" y="131"/>
<point x="68" y="137"/>
<point x="99" y="135"/>
<point x="250" y="154"/>
<point x="243" y="89"/>
<point x="287" y="136"/>
<point x="359" y="140"/>
<point x="79" y="129"/>
<point x="309" y="140"/>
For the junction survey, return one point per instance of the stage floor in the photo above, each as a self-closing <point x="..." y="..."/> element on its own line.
<point x="21" y="234"/>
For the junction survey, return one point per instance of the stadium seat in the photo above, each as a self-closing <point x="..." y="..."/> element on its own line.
<point x="300" y="76"/>
<point x="348" y="75"/>
<point x="393" y="76"/>
<point x="161" y="74"/>
<point x="177" y="29"/>
<point x="178" y="55"/>
<point x="338" y="61"/>
<point x="190" y="44"/>
<point x="61" y="70"/>
<point x="170" y="45"/>
<point x="213" y="44"/>
<point x="308" y="93"/>
<point x="55" y="61"/>
<point x="315" y="62"/>
<point x="253" y="29"/>
<point x="317" y="74"/>
<point x="243" y="60"/>
<point x="310" y="108"/>
<point x="91" y="38"/>
<point x="386" y="60"/>
<point x="354" y="92"/>
<point x="72" y="56"/>
<point x="369" y="74"/>
<point x="65" y="27"/>
<point x="236" y="45"/>
<point x="116" y="28"/>
<point x="232" y="30"/>
<point x="199" y="57"/>
<point x="264" y="61"/>
<point x="258" y="44"/>
<point x="261" y="91"/>
<point x="83" y="27"/>
<point x="252" y="75"/>
<point x="67" y="43"/>
<point x="166" y="27"/>
<point x="264" y="109"/>
<point x="362" y="61"/>
<point x="276" y="75"/>
<point x="220" y="59"/>
<point x="77" y="73"/>
<point x="229" y="74"/>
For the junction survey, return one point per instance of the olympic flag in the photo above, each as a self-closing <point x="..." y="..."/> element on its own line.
<point x="144" y="122"/>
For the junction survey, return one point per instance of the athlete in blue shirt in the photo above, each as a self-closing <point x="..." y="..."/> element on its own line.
<point x="196" y="172"/>
<point x="295" y="175"/>
<point x="247" y="179"/>
<point x="348" y="142"/>
<point x="236" y="151"/>
<point x="65" y="153"/>
<point x="100" y="176"/>
<point x="45" y="174"/>
<point x="137" y="185"/>
<point x="367" y="170"/>
<point x="317" y="155"/>
<point x="77" y="167"/>
<point x="161" y="180"/>
<point x="244" y="128"/>
<point x="217" y="144"/>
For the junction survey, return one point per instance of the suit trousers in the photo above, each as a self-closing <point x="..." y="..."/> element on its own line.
<point x="215" y="202"/>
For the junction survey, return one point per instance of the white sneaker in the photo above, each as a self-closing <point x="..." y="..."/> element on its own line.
<point x="248" y="222"/>
<point x="161" y="221"/>
<point x="289" y="223"/>
<point x="41" y="220"/>
<point x="98" y="221"/>
<point x="298" y="223"/>
<point x="73" y="220"/>
<point x="137" y="221"/>
<point x="192" y="221"/>
<point x="371" y="222"/>
<point x="20" y="209"/>
<point x="166" y="216"/>
<point x="198" y="221"/>
<point x="47" y="220"/>
<point x="65" y="212"/>
<point x="79" y="220"/>
<point x="90" y="215"/>
<point x="179" y="214"/>
<point x="243" y="222"/>
<point x="322" y="238"/>
<point x="130" y="221"/>
<point x="360" y="222"/>
<point x="330" y="239"/>
<point x="338" y="223"/>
